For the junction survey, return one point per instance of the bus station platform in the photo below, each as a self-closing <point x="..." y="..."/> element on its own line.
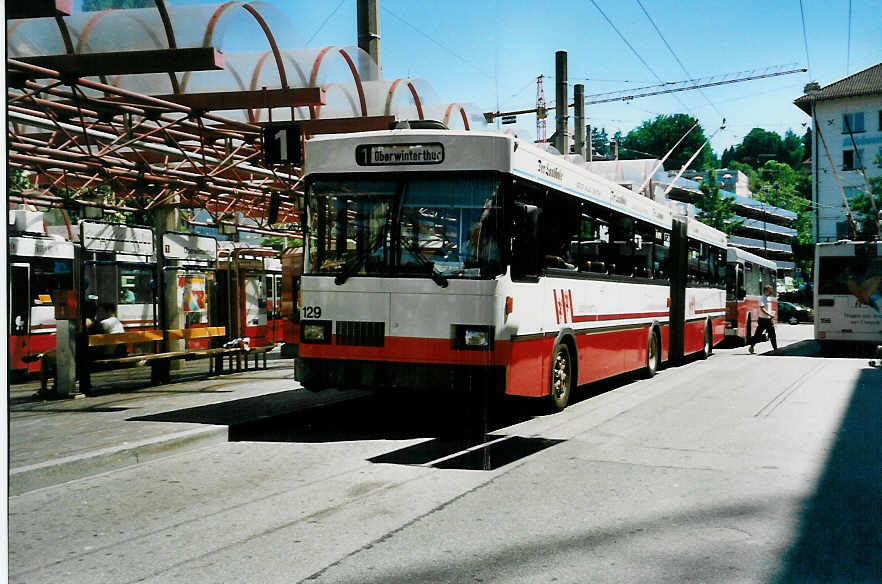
<point x="127" y="420"/>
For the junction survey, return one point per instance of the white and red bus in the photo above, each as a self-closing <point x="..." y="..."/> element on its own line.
<point x="746" y="277"/>
<point x="40" y="269"/>
<point x="437" y="257"/>
<point x="848" y="291"/>
<point x="244" y="276"/>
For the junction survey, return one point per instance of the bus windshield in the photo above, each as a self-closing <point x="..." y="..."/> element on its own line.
<point x="447" y="227"/>
<point x="855" y="275"/>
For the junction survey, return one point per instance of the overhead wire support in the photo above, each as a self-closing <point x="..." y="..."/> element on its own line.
<point x="670" y="87"/>
<point x="686" y="85"/>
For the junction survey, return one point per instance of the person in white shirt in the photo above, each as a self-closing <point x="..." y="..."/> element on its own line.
<point x="766" y="320"/>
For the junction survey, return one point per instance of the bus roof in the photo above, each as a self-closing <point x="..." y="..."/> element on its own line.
<point x="846" y="247"/>
<point x="735" y="254"/>
<point x="451" y="150"/>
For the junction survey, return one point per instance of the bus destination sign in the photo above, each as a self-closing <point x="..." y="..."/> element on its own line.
<point x="396" y="154"/>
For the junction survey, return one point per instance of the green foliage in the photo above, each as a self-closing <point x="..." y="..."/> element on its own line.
<point x="761" y="146"/>
<point x="714" y="209"/>
<point x="862" y="207"/>
<point x="600" y="141"/>
<point x="279" y="243"/>
<point x="17" y="181"/>
<point x="658" y="136"/>
<point x="93" y="5"/>
<point x="779" y="185"/>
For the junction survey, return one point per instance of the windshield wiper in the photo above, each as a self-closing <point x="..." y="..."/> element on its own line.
<point x="437" y="277"/>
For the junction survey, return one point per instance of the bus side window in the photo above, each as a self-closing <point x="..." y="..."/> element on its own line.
<point x="593" y="241"/>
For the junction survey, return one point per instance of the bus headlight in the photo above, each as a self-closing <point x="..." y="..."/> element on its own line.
<point x="475" y="337"/>
<point x="318" y="332"/>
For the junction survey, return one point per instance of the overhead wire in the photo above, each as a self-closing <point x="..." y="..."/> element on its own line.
<point x="676" y="58"/>
<point x="808" y="61"/>
<point x="441" y="45"/>
<point x="633" y="50"/>
<point x="848" y="52"/>
<point x="322" y="25"/>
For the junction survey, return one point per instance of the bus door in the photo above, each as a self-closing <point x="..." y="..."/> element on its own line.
<point x="19" y="314"/>
<point x="274" y="307"/>
<point x="254" y="303"/>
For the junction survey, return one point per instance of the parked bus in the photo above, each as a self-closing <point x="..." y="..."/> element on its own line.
<point x="40" y="270"/>
<point x="746" y="276"/>
<point x="434" y="258"/>
<point x="242" y="279"/>
<point x="848" y="291"/>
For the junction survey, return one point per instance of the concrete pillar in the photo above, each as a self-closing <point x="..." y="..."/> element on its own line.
<point x="579" y="118"/>
<point x="171" y="316"/>
<point x="561" y="106"/>
<point x="368" y="16"/>
<point x="65" y="358"/>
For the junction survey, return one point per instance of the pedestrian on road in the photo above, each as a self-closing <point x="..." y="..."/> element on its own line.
<point x="766" y="321"/>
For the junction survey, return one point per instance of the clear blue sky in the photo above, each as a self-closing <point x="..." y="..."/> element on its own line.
<point x="490" y="52"/>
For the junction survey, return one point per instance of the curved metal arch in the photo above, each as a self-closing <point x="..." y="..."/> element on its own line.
<point x="413" y="92"/>
<point x="274" y="47"/>
<point x="316" y="65"/>
<point x="462" y="113"/>
<point x="345" y="91"/>
<point x="169" y="33"/>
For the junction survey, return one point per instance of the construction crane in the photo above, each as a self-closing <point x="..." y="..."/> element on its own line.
<point x="650" y="90"/>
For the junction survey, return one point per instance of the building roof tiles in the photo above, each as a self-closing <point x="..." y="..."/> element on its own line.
<point x="866" y="82"/>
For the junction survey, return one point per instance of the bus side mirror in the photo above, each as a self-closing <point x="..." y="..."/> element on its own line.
<point x="525" y="242"/>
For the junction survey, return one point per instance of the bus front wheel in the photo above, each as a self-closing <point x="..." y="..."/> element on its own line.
<point x="561" y="377"/>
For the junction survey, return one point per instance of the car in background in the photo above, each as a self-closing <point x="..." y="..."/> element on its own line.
<point x="793" y="313"/>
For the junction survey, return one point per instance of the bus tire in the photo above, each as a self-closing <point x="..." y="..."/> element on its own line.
<point x="653" y="354"/>
<point x="708" y="348"/>
<point x="561" y="377"/>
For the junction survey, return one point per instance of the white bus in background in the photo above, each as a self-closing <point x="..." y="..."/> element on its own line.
<point x="848" y="291"/>
<point x="437" y="258"/>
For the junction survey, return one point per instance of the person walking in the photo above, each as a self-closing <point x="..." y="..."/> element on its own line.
<point x="766" y="321"/>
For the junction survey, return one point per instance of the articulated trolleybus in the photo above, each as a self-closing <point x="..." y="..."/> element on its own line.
<point x="435" y="258"/>
<point x="848" y="291"/>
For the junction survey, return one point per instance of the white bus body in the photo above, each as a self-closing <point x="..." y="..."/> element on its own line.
<point x="848" y="291"/>
<point x="390" y="316"/>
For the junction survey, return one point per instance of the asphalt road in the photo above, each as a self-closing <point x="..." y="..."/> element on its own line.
<point x="741" y="468"/>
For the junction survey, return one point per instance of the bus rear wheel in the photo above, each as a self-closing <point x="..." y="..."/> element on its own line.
<point x="708" y="348"/>
<point x="561" y="377"/>
<point x="653" y="355"/>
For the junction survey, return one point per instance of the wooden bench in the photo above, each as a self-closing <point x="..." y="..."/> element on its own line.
<point x="160" y="372"/>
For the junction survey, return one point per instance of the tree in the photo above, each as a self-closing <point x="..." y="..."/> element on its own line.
<point x="759" y="146"/>
<point x="781" y="186"/>
<point x="93" y="5"/>
<point x="600" y="141"/>
<point x="658" y="136"/>
<point x="714" y="209"/>
<point x="862" y="207"/>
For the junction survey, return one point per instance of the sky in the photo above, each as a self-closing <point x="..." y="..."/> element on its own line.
<point x="489" y="53"/>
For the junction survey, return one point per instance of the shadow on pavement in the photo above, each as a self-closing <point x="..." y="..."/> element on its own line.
<point x="812" y="348"/>
<point x="840" y="532"/>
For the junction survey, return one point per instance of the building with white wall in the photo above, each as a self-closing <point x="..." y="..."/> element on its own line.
<point x="846" y="143"/>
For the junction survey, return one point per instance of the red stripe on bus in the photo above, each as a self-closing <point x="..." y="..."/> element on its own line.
<point x="598" y="317"/>
<point x="706" y="310"/>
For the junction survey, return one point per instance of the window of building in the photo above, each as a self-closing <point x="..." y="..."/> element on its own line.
<point x="853" y="122"/>
<point x="880" y="120"/>
<point x="848" y="160"/>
